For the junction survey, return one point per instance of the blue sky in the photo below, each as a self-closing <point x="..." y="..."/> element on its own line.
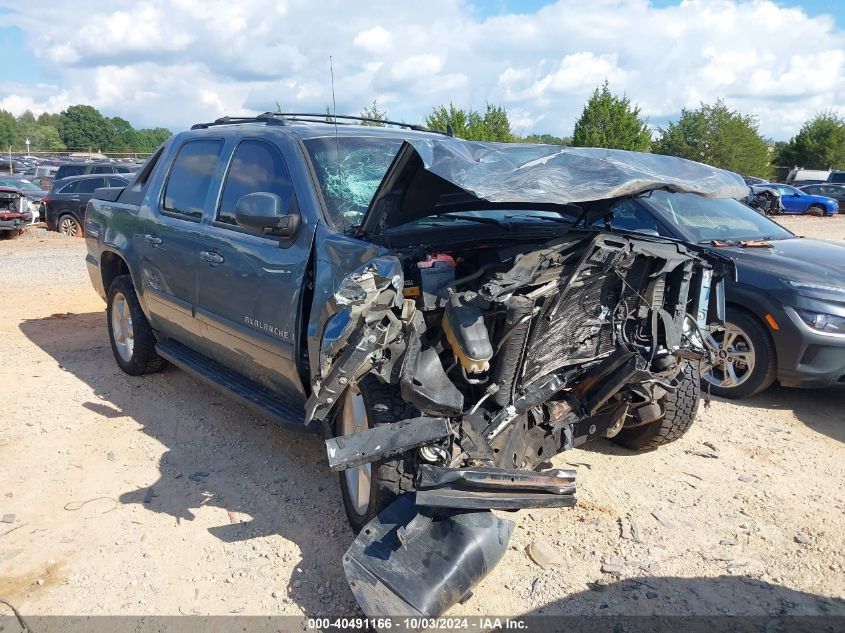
<point x="161" y="62"/>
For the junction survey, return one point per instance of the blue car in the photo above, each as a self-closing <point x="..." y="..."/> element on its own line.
<point x="797" y="201"/>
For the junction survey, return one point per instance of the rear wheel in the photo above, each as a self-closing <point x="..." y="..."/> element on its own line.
<point x="368" y="489"/>
<point x="679" y="411"/>
<point x="68" y="225"/>
<point x="132" y="339"/>
<point x="745" y="363"/>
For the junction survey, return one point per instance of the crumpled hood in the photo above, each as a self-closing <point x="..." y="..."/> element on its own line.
<point x="430" y="176"/>
<point x="795" y="258"/>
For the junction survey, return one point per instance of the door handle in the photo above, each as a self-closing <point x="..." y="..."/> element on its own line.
<point x="214" y="258"/>
<point x="155" y="240"/>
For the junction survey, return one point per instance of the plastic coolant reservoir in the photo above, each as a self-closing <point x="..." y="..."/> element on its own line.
<point x="463" y="324"/>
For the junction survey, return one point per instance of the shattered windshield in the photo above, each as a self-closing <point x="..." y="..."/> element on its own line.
<point x="705" y="219"/>
<point x="349" y="170"/>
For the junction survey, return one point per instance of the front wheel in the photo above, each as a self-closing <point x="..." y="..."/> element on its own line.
<point x="368" y="489"/>
<point x="745" y="361"/>
<point x="679" y="410"/>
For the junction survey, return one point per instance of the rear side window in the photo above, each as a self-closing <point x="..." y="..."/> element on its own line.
<point x="70" y="170"/>
<point x="190" y="177"/>
<point x="71" y="187"/>
<point x="116" y="182"/>
<point x="121" y="169"/>
<point x="103" y="169"/>
<point x="837" y="176"/>
<point x="88" y="185"/>
<point x="134" y="194"/>
<point x="256" y="166"/>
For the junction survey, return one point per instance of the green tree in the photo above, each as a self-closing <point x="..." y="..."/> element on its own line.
<point x="52" y="119"/>
<point x="373" y="113"/>
<point x="150" y="139"/>
<point x="493" y="125"/>
<point x="46" y="139"/>
<point x="611" y="121"/>
<point x="544" y="139"/>
<point x="716" y="135"/>
<point x="124" y="137"/>
<point x="8" y="130"/>
<point x="820" y="144"/>
<point x="82" y="127"/>
<point x="26" y="127"/>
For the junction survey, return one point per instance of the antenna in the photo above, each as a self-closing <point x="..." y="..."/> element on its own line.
<point x="334" y="107"/>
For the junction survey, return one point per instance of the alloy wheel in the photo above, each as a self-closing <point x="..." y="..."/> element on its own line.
<point x="353" y="419"/>
<point x="735" y="358"/>
<point x="68" y="226"/>
<point x="121" y="325"/>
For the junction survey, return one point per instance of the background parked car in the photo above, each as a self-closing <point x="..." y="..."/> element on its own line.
<point x="65" y="204"/>
<point x="836" y="177"/>
<point x="801" y="177"/>
<point x="796" y="201"/>
<point x="786" y="310"/>
<point x="837" y="192"/>
<point x="15" y="212"/>
<point x="34" y="194"/>
<point x="79" y="169"/>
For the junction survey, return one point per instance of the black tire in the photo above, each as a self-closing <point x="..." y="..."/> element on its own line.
<point x="816" y="210"/>
<point x="142" y="359"/>
<point x="679" y="410"/>
<point x="390" y="477"/>
<point x="69" y="225"/>
<point x="764" y="371"/>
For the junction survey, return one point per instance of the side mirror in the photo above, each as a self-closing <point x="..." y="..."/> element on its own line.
<point x="796" y="195"/>
<point x="264" y="212"/>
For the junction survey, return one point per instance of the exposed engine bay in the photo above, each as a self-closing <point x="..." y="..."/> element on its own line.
<point x="528" y="351"/>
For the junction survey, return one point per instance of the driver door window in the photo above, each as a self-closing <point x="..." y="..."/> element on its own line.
<point x="256" y="166"/>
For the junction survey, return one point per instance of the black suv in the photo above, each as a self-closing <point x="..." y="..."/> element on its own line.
<point x="438" y="309"/>
<point x="64" y="206"/>
<point x="81" y="169"/>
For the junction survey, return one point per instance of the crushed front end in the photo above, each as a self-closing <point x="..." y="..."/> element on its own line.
<point x="500" y="343"/>
<point x="508" y="355"/>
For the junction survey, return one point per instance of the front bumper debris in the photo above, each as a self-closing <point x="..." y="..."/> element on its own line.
<point x="410" y="562"/>
<point x="348" y="451"/>
<point x="479" y="488"/>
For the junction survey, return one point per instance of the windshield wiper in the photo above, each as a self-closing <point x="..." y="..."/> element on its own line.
<point x="473" y="218"/>
<point x="550" y="218"/>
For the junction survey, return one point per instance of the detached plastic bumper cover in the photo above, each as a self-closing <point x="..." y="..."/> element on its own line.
<point x="407" y="563"/>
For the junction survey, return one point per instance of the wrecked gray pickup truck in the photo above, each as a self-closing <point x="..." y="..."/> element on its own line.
<point x="449" y="314"/>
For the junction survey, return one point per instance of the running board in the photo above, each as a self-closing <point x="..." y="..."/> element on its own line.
<point x="249" y="393"/>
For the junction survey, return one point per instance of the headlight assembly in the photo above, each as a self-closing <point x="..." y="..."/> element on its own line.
<point x="823" y="322"/>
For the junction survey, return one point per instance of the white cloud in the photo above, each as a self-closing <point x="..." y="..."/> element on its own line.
<point x="375" y="40"/>
<point x="174" y="62"/>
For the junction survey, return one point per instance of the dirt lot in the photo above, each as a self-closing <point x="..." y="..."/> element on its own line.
<point x="157" y="495"/>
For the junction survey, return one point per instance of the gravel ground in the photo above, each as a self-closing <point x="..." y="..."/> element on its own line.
<point x="157" y="495"/>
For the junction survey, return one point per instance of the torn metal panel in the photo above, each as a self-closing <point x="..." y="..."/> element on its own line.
<point x="347" y="451"/>
<point x="443" y="174"/>
<point x="426" y="574"/>
<point x="347" y="368"/>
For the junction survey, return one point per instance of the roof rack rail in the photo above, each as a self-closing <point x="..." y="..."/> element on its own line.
<point x="283" y="118"/>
